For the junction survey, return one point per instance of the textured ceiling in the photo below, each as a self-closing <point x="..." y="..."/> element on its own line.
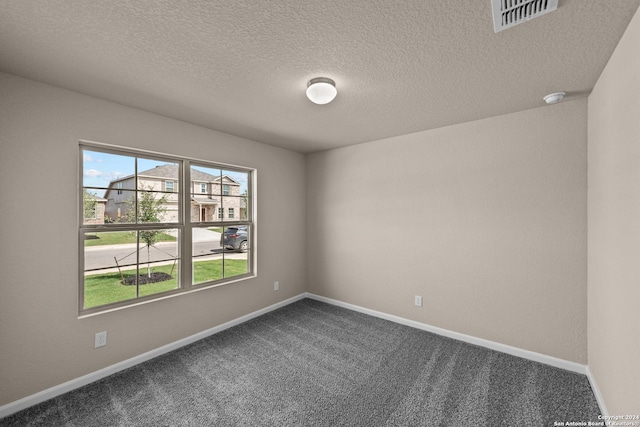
<point x="242" y="66"/>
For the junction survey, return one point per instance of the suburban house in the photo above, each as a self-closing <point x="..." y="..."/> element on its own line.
<point x="213" y="198"/>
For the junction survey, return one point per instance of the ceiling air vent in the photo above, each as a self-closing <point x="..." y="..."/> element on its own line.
<point x="508" y="13"/>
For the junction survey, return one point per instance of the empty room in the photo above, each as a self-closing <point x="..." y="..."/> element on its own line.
<point x="320" y="213"/>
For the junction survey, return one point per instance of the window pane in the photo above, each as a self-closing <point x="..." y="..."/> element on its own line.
<point x="202" y="212"/>
<point x="101" y="170"/>
<point x="153" y="174"/>
<point x="207" y="254"/>
<point x="105" y="178"/>
<point x="158" y="257"/>
<point x="236" y="243"/>
<point x="106" y="255"/>
<point x="235" y="238"/>
<point x="111" y="265"/>
<point x="157" y="207"/>
<point x="205" y="193"/>
<point x="119" y="207"/>
<point x="237" y="196"/>
<point x="236" y="265"/>
<point x="234" y="208"/>
<point x="159" y="182"/>
<point x="93" y="206"/>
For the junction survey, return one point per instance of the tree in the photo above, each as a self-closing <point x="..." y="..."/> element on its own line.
<point x="244" y="209"/>
<point x="151" y="208"/>
<point x="89" y="204"/>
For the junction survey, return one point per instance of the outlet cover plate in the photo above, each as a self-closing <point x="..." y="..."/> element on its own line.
<point x="101" y="339"/>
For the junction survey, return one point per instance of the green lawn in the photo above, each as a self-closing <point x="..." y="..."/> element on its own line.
<point x="216" y="229"/>
<point x="106" y="288"/>
<point x="118" y="238"/>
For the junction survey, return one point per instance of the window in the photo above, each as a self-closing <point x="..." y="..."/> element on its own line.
<point x="225" y="190"/>
<point x="157" y="236"/>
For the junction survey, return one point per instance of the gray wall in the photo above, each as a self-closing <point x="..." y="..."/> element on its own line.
<point x="614" y="226"/>
<point x="486" y="220"/>
<point x="43" y="343"/>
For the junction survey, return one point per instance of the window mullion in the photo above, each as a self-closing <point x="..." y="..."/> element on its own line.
<point x="186" y="236"/>
<point x="137" y="261"/>
<point x="136" y="222"/>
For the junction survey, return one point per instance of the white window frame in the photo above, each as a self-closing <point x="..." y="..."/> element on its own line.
<point x="203" y="188"/>
<point x="170" y="186"/>
<point x="184" y="226"/>
<point x="231" y="213"/>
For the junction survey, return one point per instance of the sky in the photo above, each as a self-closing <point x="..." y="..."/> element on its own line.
<point x="99" y="169"/>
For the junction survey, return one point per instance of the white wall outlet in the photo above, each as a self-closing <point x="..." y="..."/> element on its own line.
<point x="101" y="339"/>
<point x="276" y="286"/>
<point x="418" y="301"/>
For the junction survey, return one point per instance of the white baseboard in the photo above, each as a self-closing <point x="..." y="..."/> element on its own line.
<point x="526" y="354"/>
<point x="52" y="392"/>
<point x="596" y="392"/>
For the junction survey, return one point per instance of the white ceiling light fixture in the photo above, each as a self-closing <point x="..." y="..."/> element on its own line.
<point x="554" y="98"/>
<point x="321" y="90"/>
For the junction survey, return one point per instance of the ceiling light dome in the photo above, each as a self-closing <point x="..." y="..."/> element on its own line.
<point x="321" y="90"/>
<point x="554" y="98"/>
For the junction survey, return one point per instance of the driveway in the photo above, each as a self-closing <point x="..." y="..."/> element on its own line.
<point x="202" y="235"/>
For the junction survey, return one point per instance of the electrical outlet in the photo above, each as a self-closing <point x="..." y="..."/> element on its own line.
<point x="418" y="301"/>
<point x="101" y="339"/>
<point x="276" y="286"/>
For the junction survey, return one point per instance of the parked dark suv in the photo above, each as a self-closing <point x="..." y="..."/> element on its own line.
<point x="235" y="238"/>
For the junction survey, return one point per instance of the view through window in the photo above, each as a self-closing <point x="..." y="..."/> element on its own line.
<point x="154" y="225"/>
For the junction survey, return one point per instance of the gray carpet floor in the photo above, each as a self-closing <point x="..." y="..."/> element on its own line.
<point x="314" y="364"/>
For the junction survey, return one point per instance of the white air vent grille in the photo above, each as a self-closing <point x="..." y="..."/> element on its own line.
<point x="508" y="13"/>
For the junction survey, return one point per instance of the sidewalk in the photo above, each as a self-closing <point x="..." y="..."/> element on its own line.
<point x="227" y="255"/>
<point x="199" y="235"/>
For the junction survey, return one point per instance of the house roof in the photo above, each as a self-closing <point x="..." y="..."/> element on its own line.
<point x="170" y="171"/>
<point x="243" y="67"/>
<point x="164" y="171"/>
<point x="205" y="200"/>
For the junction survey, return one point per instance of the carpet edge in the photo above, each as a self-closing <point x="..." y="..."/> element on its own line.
<point x="492" y="345"/>
<point x="50" y="393"/>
